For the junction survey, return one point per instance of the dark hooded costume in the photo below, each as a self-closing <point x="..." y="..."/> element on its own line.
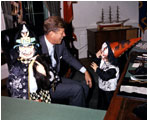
<point x="24" y="80"/>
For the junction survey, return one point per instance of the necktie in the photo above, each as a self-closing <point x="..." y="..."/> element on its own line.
<point x="53" y="57"/>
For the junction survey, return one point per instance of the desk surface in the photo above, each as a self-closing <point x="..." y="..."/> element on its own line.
<point x="19" y="109"/>
<point x="121" y="108"/>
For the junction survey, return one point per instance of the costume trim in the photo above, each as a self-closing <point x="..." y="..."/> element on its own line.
<point x="30" y="67"/>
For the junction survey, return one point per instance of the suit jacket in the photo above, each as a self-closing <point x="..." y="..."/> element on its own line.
<point x="62" y="53"/>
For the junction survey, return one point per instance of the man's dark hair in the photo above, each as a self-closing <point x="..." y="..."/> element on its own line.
<point x="53" y="23"/>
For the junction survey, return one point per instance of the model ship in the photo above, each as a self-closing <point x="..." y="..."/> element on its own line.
<point x="111" y="23"/>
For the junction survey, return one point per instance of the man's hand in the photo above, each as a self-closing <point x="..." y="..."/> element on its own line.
<point x="88" y="79"/>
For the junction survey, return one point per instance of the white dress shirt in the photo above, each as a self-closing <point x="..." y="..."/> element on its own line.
<point x="49" y="46"/>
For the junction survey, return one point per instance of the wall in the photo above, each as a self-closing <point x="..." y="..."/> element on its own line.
<point x="87" y="13"/>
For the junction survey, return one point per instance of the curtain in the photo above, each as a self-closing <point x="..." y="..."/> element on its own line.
<point x="3" y="26"/>
<point x="143" y="15"/>
<point x="6" y="7"/>
<point x="53" y="7"/>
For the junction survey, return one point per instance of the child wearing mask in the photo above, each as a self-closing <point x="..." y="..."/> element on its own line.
<point x="106" y="66"/>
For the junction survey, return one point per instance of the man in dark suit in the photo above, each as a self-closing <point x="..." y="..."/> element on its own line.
<point x="75" y="92"/>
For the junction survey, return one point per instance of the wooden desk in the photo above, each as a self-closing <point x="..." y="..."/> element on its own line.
<point x="121" y="107"/>
<point x="19" y="109"/>
<point x="97" y="37"/>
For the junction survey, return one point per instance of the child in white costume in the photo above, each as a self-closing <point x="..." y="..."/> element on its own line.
<point x="106" y="67"/>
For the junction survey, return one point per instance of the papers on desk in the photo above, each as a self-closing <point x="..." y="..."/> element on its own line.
<point x="140" y="78"/>
<point x="133" y="89"/>
<point x="139" y="57"/>
<point x="136" y="65"/>
<point x="142" y="45"/>
<point x="134" y="84"/>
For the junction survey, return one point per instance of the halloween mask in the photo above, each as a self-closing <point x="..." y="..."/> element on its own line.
<point x="26" y="43"/>
<point x="104" y="51"/>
